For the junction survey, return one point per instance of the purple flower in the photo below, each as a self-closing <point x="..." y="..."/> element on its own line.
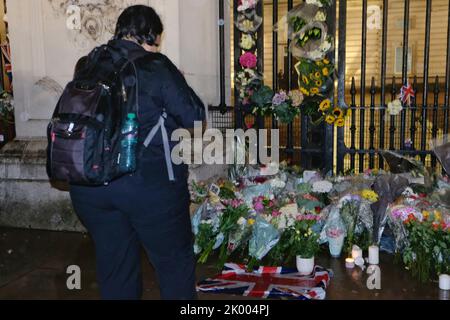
<point x="279" y="98"/>
<point x="258" y="206"/>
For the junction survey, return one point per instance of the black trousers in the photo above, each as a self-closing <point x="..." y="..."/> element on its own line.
<point x="131" y="212"/>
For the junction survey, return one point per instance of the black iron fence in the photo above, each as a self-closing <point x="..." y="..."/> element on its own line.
<point x="369" y="128"/>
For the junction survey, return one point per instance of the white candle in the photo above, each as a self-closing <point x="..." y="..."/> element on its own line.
<point x="374" y="255"/>
<point x="356" y="252"/>
<point x="349" y="263"/>
<point x="444" y="282"/>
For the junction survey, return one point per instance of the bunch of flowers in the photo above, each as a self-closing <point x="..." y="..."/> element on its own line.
<point x="428" y="251"/>
<point x="369" y="195"/>
<point x="234" y="212"/>
<point x="305" y="241"/>
<point x="248" y="60"/>
<point x="349" y="209"/>
<point x="244" y="5"/>
<point x="248" y="22"/>
<point x="198" y="191"/>
<point x="247" y="41"/>
<point x="265" y="205"/>
<point x="284" y="106"/>
<point x="247" y="81"/>
<point x="315" y="77"/>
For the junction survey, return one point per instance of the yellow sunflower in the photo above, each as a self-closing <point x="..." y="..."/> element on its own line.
<point x="319" y="63"/>
<point x="338" y="113"/>
<point x="325" y="72"/>
<point x="304" y="91"/>
<point x="319" y="83"/>
<point x="314" y="90"/>
<point x="330" y="119"/>
<point x="326" y="61"/>
<point x="305" y="79"/>
<point x="317" y="75"/>
<point x="311" y="76"/>
<point x="340" y="122"/>
<point x="325" y="105"/>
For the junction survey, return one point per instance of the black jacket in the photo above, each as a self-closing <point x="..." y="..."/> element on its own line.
<point x="161" y="87"/>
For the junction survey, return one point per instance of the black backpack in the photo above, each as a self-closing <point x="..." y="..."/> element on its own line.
<point x="84" y="134"/>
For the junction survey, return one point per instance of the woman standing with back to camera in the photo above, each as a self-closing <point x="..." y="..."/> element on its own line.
<point x="145" y="208"/>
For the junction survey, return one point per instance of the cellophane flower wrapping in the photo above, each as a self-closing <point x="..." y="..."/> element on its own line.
<point x="334" y="225"/>
<point x="441" y="149"/>
<point x="264" y="237"/>
<point x="388" y="188"/>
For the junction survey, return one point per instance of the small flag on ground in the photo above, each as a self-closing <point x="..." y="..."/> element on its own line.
<point x="268" y="282"/>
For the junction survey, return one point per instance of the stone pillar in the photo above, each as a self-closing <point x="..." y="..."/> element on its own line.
<point x="44" y="53"/>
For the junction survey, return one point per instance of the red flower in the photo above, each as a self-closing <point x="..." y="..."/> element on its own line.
<point x="318" y="210"/>
<point x="260" y="179"/>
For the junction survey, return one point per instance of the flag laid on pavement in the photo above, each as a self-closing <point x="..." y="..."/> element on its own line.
<point x="268" y="282"/>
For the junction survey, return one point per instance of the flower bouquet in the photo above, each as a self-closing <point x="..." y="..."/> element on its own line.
<point x="428" y="251"/>
<point x="284" y="106"/>
<point x="305" y="242"/>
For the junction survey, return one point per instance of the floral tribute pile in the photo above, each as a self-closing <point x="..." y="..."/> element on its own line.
<point x="257" y="219"/>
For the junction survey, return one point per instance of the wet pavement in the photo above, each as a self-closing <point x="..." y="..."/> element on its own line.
<point x="33" y="266"/>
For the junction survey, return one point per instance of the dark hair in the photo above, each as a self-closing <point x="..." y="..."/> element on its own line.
<point x="81" y="64"/>
<point x="139" y="22"/>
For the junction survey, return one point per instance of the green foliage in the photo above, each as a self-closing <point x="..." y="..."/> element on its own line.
<point x="428" y="251"/>
<point x="262" y="98"/>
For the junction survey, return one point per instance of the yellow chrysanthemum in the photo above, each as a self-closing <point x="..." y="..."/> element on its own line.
<point x="325" y="105"/>
<point x="325" y="72"/>
<point x="251" y="221"/>
<point x="437" y="216"/>
<point x="305" y="79"/>
<point x="319" y="83"/>
<point x="340" y="122"/>
<point x="370" y="195"/>
<point x="304" y="91"/>
<point x="330" y="119"/>
<point x="314" y="90"/>
<point x="326" y="61"/>
<point x="426" y="214"/>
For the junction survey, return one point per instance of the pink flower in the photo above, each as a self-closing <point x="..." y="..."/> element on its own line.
<point x="258" y="206"/>
<point x="235" y="203"/>
<point x="276" y="213"/>
<point x="248" y="60"/>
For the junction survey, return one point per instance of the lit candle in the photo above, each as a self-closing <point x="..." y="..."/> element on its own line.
<point x="444" y="282"/>
<point x="356" y="252"/>
<point x="374" y="255"/>
<point x="349" y="263"/>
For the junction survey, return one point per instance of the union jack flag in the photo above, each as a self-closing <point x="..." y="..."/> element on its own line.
<point x="268" y="282"/>
<point x="407" y="94"/>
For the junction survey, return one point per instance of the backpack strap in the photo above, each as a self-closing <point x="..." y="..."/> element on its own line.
<point x="161" y="126"/>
